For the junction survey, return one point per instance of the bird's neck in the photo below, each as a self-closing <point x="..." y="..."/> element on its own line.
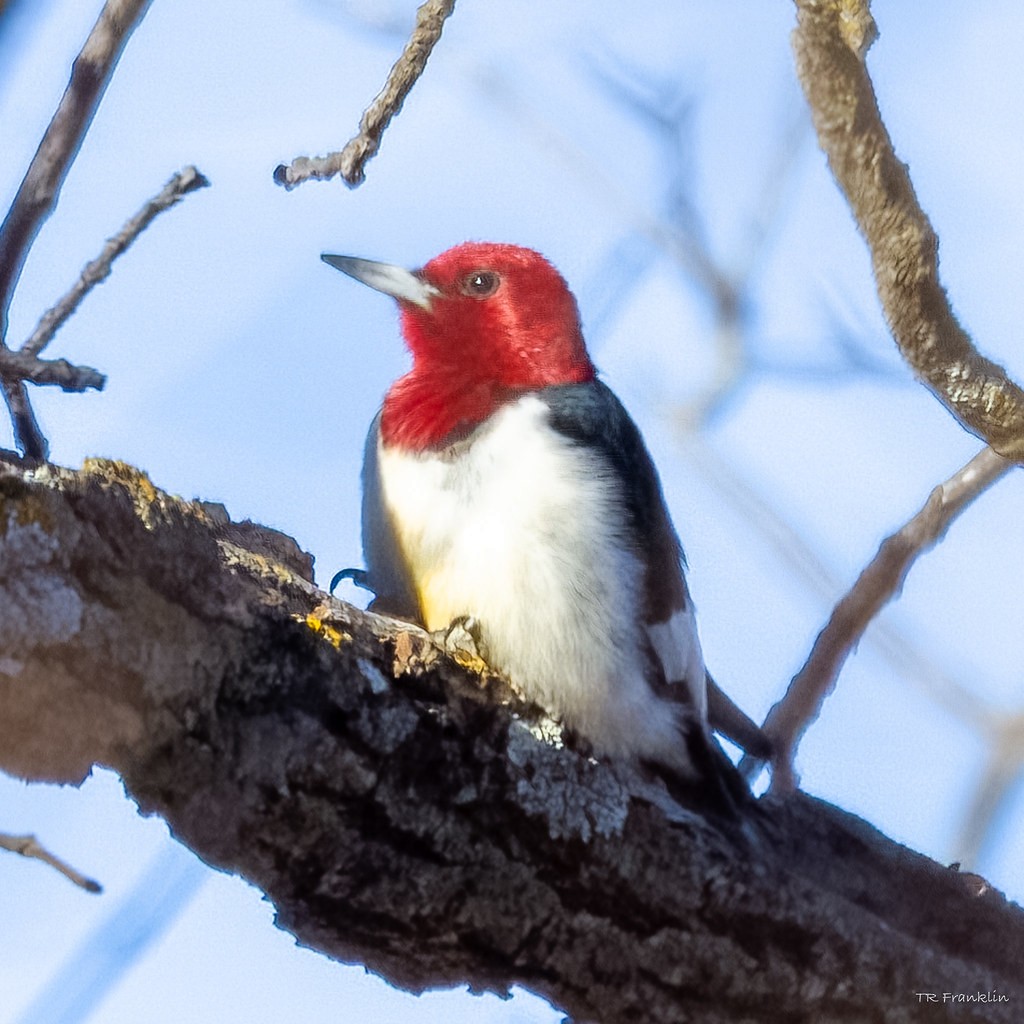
<point x="427" y="410"/>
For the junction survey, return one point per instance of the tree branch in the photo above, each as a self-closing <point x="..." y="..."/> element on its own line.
<point x="351" y="162"/>
<point x="41" y="186"/>
<point x="878" y="584"/>
<point x="97" y="270"/>
<point x="405" y="814"/>
<point x="830" y="42"/>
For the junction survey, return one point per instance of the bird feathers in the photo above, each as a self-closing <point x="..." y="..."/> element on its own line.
<point x="527" y="527"/>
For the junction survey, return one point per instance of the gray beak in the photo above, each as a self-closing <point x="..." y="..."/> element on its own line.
<point x="397" y="282"/>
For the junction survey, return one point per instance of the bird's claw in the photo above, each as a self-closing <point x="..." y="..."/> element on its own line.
<point x="357" y="576"/>
<point x="461" y="640"/>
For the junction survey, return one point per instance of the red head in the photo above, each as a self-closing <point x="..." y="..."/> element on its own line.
<point x="483" y="322"/>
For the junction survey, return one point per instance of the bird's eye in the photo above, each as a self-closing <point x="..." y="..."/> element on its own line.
<point x="480" y="283"/>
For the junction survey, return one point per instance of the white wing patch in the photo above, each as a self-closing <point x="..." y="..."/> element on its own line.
<point x="677" y="646"/>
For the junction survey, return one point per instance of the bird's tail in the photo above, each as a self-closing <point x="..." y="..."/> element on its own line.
<point x="713" y="786"/>
<point x="733" y="723"/>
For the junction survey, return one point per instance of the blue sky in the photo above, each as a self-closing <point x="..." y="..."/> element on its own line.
<point x="243" y="370"/>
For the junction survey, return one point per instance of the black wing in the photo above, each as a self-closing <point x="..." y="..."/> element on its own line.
<point x="591" y="415"/>
<point x="387" y="574"/>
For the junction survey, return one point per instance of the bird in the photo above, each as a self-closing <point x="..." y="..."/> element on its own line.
<point x="505" y="484"/>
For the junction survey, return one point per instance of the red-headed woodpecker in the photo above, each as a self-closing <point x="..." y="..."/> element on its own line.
<point x="504" y="482"/>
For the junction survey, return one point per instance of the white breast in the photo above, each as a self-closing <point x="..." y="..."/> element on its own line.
<point x="524" y="530"/>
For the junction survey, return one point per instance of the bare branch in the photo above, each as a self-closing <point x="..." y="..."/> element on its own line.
<point x="23" y="366"/>
<point x="41" y="186"/>
<point x="29" y="846"/>
<point x="351" y="161"/>
<point x="28" y="435"/>
<point x="405" y="814"/>
<point x="880" y="581"/>
<point x="830" y="43"/>
<point x="97" y="270"/>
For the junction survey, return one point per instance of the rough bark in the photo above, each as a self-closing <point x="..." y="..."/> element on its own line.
<point x="405" y="813"/>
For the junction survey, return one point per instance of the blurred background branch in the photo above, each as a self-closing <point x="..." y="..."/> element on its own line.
<point x="1003" y="774"/>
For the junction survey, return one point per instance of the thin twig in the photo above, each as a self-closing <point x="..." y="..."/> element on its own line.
<point x="350" y="163"/>
<point x="29" y="846"/>
<point x="830" y="42"/>
<point x="185" y="181"/>
<point x="880" y="581"/>
<point x="41" y="186"/>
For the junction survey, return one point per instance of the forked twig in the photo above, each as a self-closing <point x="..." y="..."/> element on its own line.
<point x="24" y="366"/>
